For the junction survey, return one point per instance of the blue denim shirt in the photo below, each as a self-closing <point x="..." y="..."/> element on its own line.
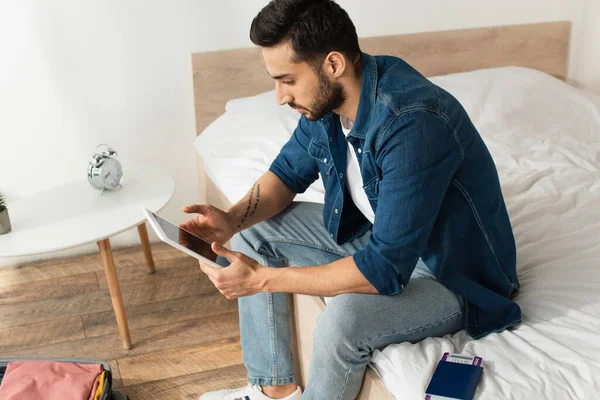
<point x="432" y="184"/>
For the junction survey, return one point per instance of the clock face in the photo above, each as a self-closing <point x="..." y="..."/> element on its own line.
<point x="111" y="173"/>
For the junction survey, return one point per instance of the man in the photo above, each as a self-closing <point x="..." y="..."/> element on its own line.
<point x="413" y="240"/>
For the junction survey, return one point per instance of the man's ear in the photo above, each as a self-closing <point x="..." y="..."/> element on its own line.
<point x="335" y="64"/>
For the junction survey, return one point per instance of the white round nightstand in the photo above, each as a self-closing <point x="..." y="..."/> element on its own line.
<point x="75" y="214"/>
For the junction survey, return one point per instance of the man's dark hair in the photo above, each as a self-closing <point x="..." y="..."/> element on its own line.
<point x="313" y="28"/>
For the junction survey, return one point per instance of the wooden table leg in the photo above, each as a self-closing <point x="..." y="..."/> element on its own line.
<point x="146" y="246"/>
<point x="115" y="291"/>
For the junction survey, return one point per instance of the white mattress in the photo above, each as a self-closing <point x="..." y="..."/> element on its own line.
<point x="545" y="139"/>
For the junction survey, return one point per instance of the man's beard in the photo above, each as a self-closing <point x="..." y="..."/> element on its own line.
<point x="329" y="96"/>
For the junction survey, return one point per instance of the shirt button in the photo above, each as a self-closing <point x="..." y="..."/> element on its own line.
<point x="336" y="210"/>
<point x="331" y="139"/>
<point x="325" y="160"/>
<point x="359" y="150"/>
<point x="341" y="175"/>
<point x="331" y="234"/>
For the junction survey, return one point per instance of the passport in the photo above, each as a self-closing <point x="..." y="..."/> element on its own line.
<point x="452" y="381"/>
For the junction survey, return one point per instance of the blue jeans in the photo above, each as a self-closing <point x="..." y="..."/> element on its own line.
<point x="352" y="325"/>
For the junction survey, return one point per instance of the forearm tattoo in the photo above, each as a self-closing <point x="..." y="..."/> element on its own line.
<point x="257" y="200"/>
<point x="249" y="206"/>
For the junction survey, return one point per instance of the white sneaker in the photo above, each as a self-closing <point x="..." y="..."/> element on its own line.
<point x="250" y="392"/>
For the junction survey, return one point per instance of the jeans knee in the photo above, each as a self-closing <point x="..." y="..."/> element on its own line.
<point x="241" y="241"/>
<point x="252" y="243"/>
<point x="337" y="332"/>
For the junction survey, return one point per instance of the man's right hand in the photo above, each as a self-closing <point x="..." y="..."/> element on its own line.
<point x="210" y="223"/>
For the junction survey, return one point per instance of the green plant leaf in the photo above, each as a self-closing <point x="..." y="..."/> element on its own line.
<point x="2" y="202"/>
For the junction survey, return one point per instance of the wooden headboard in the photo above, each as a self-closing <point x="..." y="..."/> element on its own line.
<point x="223" y="75"/>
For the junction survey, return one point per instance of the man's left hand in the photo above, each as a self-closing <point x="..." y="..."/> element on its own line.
<point x="241" y="278"/>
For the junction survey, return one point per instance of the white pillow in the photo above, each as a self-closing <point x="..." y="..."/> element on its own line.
<point x="528" y="119"/>
<point x="239" y="146"/>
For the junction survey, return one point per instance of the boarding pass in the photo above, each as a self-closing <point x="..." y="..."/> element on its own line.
<point x="461" y="359"/>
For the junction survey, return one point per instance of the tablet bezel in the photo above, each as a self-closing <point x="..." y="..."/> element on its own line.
<point x="163" y="236"/>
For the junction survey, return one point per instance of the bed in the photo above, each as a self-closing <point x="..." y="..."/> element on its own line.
<point x="545" y="138"/>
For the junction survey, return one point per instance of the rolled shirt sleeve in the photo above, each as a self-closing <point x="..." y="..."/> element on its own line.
<point x="293" y="165"/>
<point x="417" y="157"/>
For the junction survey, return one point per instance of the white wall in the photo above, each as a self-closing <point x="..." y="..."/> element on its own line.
<point x="584" y="65"/>
<point x="75" y="73"/>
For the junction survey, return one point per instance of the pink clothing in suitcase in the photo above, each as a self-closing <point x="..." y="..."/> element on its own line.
<point x="48" y="380"/>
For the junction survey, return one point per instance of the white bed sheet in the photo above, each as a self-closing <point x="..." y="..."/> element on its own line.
<point x="545" y="139"/>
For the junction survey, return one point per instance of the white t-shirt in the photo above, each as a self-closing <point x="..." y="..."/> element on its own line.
<point x="354" y="180"/>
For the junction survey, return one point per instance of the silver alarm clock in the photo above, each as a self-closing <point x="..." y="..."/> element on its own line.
<point x="104" y="170"/>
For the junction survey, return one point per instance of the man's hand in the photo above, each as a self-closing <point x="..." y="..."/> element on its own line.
<point x="210" y="223"/>
<point x="243" y="277"/>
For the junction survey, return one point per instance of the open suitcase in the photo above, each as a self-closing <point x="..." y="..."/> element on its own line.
<point x="108" y="393"/>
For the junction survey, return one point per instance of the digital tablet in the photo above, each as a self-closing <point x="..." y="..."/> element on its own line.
<point x="181" y="239"/>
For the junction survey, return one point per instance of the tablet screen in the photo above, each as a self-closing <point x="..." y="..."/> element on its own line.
<point x="186" y="239"/>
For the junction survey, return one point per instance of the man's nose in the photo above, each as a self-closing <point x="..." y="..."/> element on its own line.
<point x="281" y="96"/>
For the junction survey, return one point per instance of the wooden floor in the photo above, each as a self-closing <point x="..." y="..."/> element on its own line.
<point x="185" y="335"/>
